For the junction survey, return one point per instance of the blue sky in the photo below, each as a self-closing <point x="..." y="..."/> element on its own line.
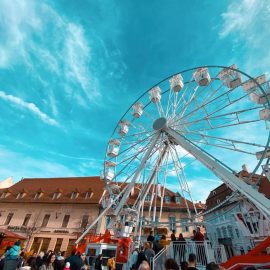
<point x="70" y="69"/>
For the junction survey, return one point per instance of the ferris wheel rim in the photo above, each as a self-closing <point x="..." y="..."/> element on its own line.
<point x="165" y="91"/>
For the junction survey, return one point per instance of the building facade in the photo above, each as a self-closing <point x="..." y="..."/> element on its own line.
<point x="52" y="212"/>
<point x="232" y="221"/>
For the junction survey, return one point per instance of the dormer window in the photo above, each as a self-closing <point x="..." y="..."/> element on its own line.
<point x="56" y="195"/>
<point x="74" y="195"/>
<point x="20" y="195"/>
<point x="4" y="195"/>
<point x="178" y="199"/>
<point x="38" y="195"/>
<point x="214" y="192"/>
<point x="167" y="199"/>
<point x="89" y="194"/>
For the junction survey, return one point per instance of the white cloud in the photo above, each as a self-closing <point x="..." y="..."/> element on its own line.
<point x="25" y="28"/>
<point x="247" y="23"/>
<point x="31" y="107"/>
<point x="29" y="167"/>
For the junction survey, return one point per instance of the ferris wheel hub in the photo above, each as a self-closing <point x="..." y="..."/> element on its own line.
<point x="160" y="124"/>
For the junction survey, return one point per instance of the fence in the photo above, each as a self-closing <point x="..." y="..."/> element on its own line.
<point x="205" y="252"/>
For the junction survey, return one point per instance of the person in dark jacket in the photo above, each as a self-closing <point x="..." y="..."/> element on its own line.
<point x="32" y="261"/>
<point x="98" y="263"/>
<point x="75" y="261"/>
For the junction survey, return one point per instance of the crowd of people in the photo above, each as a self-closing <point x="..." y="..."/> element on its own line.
<point x="15" y="258"/>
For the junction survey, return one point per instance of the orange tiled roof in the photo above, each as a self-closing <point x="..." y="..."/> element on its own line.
<point x="49" y="186"/>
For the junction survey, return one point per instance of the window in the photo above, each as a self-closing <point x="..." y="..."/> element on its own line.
<point x="88" y="195"/>
<point x="237" y="233"/>
<point x="148" y="198"/>
<point x="37" y="195"/>
<point x="20" y="195"/>
<point x="218" y="201"/>
<point x="167" y="199"/>
<point x="9" y="217"/>
<point x="4" y="195"/>
<point x="172" y="224"/>
<point x="85" y="221"/>
<point x="178" y="199"/>
<point x="185" y="224"/>
<point x="224" y="232"/>
<point x="108" y="219"/>
<point x="56" y="195"/>
<point x="45" y="220"/>
<point x="65" y="221"/>
<point x="230" y="231"/>
<point x="214" y="192"/>
<point x="74" y="195"/>
<point x="219" y="233"/>
<point x="26" y="220"/>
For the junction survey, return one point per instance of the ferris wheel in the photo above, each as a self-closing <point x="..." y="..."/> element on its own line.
<point x="213" y="118"/>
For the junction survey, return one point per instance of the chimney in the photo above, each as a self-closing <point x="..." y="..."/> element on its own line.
<point x="245" y="167"/>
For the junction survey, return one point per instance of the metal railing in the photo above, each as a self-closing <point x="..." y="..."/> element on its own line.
<point x="205" y="253"/>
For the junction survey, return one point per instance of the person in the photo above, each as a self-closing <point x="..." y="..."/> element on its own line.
<point x="192" y="262"/>
<point x="98" y="262"/>
<point x="199" y="239"/>
<point x="171" y="264"/>
<point x="193" y="237"/>
<point x="198" y="235"/>
<point x="148" y="251"/>
<point x="212" y="266"/>
<point x="182" y="248"/>
<point x="67" y="266"/>
<point x="60" y="261"/>
<point x="32" y="261"/>
<point x="150" y="237"/>
<point x="39" y="260"/>
<point x="173" y="240"/>
<point x="144" y="266"/>
<point x="75" y="261"/>
<point x="49" y="264"/>
<point x="111" y="263"/>
<point x="134" y="258"/>
<point x="163" y="242"/>
<point x="173" y="237"/>
<point x="184" y="265"/>
<point x="85" y="261"/>
<point x="11" y="256"/>
<point x="141" y="258"/>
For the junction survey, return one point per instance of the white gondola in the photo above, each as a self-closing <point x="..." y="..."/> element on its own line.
<point x="250" y="86"/>
<point x="126" y="230"/>
<point x="260" y="154"/>
<point x="155" y="94"/>
<point x="176" y="83"/>
<point x="113" y="148"/>
<point x="229" y="77"/>
<point x="202" y="76"/>
<point x="137" y="110"/>
<point x="265" y="114"/>
<point x="108" y="173"/>
<point x="123" y="127"/>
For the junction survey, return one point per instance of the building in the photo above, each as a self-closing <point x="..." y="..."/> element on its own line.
<point x="232" y="221"/>
<point x="52" y="212"/>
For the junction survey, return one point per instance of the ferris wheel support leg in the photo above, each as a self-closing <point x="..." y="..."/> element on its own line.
<point x="258" y="199"/>
<point x="136" y="175"/>
<point x="99" y="217"/>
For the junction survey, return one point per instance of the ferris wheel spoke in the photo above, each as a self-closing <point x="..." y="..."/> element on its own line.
<point x="231" y="141"/>
<point x="183" y="186"/>
<point x="211" y="101"/>
<point x="233" y="148"/>
<point x="211" y="116"/>
<point x="212" y="93"/>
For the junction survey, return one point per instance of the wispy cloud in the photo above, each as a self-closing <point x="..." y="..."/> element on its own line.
<point x="30" y="107"/>
<point x="26" y="25"/>
<point x="247" y="24"/>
